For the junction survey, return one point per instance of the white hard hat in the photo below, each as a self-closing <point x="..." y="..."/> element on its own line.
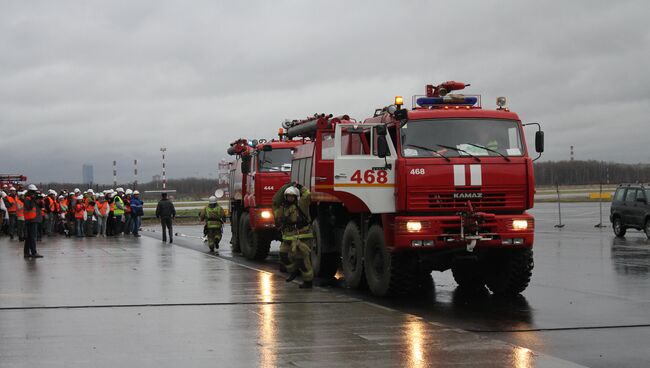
<point x="120" y="190"/>
<point x="14" y="189"/>
<point x="61" y="197"/>
<point x="76" y="190"/>
<point x="52" y="191"/>
<point x="3" y="194"/>
<point x="91" y="191"/>
<point x="29" y="187"/>
<point x="129" y="191"/>
<point x="22" y="193"/>
<point x="80" y="198"/>
<point x="134" y="192"/>
<point x="212" y="199"/>
<point x="292" y="191"/>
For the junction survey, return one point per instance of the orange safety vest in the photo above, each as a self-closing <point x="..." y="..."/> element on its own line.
<point x="20" y="209"/>
<point x="103" y="208"/>
<point x="79" y="210"/>
<point x="90" y="208"/>
<point x="112" y="206"/>
<point x="31" y="214"/>
<point x="11" y="208"/>
<point x="64" y="203"/>
<point x="51" y="204"/>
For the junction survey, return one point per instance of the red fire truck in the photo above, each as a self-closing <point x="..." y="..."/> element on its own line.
<point x="260" y="169"/>
<point x="405" y="192"/>
<point x="8" y="180"/>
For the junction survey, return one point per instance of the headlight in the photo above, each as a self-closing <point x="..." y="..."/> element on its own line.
<point x="413" y="226"/>
<point x="266" y="214"/>
<point x="520" y="224"/>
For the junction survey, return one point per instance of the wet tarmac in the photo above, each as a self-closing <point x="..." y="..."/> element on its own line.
<point x="128" y="302"/>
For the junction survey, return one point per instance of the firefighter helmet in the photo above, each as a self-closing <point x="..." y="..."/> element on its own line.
<point x="292" y="191"/>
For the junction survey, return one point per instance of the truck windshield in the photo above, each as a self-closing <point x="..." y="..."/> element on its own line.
<point x="462" y="137"/>
<point x="276" y="160"/>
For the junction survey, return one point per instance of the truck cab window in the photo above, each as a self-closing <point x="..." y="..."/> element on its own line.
<point x="356" y="143"/>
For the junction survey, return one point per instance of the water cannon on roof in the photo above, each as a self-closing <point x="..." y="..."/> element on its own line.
<point x="443" y="89"/>
<point x="239" y="147"/>
<point x="440" y="97"/>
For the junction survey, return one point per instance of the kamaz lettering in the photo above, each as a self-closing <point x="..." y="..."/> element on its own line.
<point x="468" y="195"/>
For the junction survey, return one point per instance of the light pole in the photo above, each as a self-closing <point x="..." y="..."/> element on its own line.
<point x="114" y="173"/>
<point x="135" y="174"/>
<point x="164" y="178"/>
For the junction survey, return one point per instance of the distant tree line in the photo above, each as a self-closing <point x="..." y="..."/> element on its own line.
<point x="589" y="172"/>
<point x="191" y="188"/>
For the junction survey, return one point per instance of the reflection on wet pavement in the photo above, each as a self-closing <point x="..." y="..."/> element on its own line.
<point x="587" y="287"/>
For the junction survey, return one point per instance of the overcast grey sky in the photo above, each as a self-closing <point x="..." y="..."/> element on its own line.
<point x="93" y="81"/>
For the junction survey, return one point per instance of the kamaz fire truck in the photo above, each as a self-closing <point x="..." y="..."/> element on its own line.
<point x="261" y="168"/>
<point x="405" y="192"/>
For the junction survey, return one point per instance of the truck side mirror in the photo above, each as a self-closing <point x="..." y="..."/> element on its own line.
<point x="245" y="164"/>
<point x="382" y="143"/>
<point x="539" y="141"/>
<point x="382" y="147"/>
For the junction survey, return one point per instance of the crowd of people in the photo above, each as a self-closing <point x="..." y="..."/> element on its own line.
<point x="30" y="214"/>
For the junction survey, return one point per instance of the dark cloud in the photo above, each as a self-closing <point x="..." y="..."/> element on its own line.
<point x="83" y="82"/>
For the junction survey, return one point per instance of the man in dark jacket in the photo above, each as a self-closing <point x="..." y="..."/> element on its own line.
<point x="137" y="211"/>
<point x="165" y="211"/>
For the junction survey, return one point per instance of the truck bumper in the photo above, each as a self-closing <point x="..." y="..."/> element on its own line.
<point x="444" y="232"/>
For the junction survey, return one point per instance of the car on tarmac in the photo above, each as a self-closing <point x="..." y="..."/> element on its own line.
<point x="631" y="209"/>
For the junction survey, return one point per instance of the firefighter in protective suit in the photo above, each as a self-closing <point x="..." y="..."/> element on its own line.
<point x="214" y="218"/>
<point x="291" y="210"/>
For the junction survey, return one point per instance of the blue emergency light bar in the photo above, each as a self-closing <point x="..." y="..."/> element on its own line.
<point x="447" y="100"/>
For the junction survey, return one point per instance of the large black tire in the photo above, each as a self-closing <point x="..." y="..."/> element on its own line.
<point x="509" y="272"/>
<point x="234" y="227"/>
<point x="390" y="273"/>
<point x="468" y="275"/>
<point x="352" y="256"/>
<point x="325" y="264"/>
<point x="619" y="229"/>
<point x="254" y="245"/>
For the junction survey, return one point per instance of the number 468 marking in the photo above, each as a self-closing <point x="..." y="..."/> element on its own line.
<point x="370" y="177"/>
<point x="419" y="171"/>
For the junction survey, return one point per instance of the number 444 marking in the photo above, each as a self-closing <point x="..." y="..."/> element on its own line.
<point x="370" y="177"/>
